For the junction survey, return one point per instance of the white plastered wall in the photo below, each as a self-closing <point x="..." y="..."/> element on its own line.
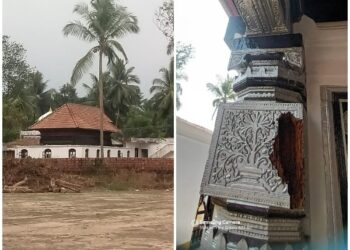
<point x="192" y="147"/>
<point x="151" y="146"/>
<point x="61" y="151"/>
<point x="326" y="64"/>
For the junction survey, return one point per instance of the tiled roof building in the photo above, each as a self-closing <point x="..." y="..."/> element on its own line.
<point x="74" y="124"/>
<point x="71" y="115"/>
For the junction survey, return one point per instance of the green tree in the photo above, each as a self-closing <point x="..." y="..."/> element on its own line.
<point x="222" y="91"/>
<point x="43" y="97"/>
<point x="25" y="93"/>
<point x="141" y="122"/>
<point x="18" y="110"/>
<point x="13" y="120"/>
<point x="14" y="65"/>
<point x="123" y="91"/>
<point x="103" y="22"/>
<point x="66" y="94"/>
<point x="163" y="90"/>
<point x="91" y="97"/>
<point x="120" y="88"/>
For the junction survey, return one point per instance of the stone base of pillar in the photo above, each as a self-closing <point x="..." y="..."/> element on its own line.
<point x="252" y="229"/>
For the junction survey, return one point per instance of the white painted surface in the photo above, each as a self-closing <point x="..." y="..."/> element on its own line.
<point x="61" y="151"/>
<point x="192" y="148"/>
<point x="157" y="149"/>
<point x="326" y="64"/>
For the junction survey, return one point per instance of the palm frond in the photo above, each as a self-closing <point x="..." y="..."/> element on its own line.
<point x="78" y="30"/>
<point x="83" y="10"/>
<point x="214" y="89"/>
<point x="118" y="47"/>
<point x="83" y="65"/>
<point x="123" y="23"/>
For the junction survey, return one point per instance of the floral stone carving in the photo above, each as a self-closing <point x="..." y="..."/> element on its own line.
<point x="239" y="165"/>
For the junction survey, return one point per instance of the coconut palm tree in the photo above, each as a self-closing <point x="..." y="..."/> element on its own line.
<point x="103" y="22"/>
<point x="222" y="91"/>
<point x="92" y="91"/>
<point x="164" y="91"/>
<point x="122" y="88"/>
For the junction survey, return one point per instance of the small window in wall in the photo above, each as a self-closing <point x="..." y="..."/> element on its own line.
<point x="119" y="154"/>
<point x="128" y="153"/>
<point x="86" y="153"/>
<point x="24" y="153"/>
<point x="47" y="153"/>
<point x="98" y="153"/>
<point x="144" y="153"/>
<point x="72" y="153"/>
<point x="108" y="153"/>
<point x="136" y="152"/>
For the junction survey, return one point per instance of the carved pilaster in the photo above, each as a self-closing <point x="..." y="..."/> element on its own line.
<point x="239" y="165"/>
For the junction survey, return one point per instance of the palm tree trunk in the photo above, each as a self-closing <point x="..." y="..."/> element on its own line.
<point x="100" y="86"/>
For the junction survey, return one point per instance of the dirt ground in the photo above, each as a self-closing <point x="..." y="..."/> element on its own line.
<point x="94" y="220"/>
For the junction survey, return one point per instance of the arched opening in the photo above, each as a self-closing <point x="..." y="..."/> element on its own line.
<point x="98" y="153"/>
<point x="86" y="153"/>
<point x="128" y="154"/>
<point x="72" y="153"/>
<point x="119" y="154"/>
<point x="108" y="153"/>
<point x="24" y="153"/>
<point x="47" y="153"/>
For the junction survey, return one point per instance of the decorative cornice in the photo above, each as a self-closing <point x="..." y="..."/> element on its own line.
<point x="264" y="17"/>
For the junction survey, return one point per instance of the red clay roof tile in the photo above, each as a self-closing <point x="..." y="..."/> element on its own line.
<point x="71" y="115"/>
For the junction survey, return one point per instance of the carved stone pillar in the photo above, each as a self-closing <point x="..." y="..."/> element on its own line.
<point x="255" y="173"/>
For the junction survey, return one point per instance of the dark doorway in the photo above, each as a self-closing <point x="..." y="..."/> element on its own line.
<point x="24" y="153"/>
<point x="144" y="153"/>
<point x="47" y="153"/>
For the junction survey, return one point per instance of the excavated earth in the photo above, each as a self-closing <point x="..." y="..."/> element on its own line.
<point x="92" y="220"/>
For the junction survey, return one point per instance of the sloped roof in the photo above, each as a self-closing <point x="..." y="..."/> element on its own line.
<point x="71" y="115"/>
<point x="24" y="142"/>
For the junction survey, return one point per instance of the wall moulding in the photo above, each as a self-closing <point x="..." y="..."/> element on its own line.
<point x="333" y="208"/>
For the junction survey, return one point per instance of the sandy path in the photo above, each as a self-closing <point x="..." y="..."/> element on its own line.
<point x="101" y="220"/>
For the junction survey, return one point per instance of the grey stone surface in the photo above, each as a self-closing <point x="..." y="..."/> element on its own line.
<point x="264" y="17"/>
<point x="268" y="93"/>
<point x="239" y="167"/>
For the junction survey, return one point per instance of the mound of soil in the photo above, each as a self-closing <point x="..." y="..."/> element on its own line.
<point x="39" y="176"/>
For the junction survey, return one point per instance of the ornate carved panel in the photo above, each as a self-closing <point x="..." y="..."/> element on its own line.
<point x="264" y="17"/>
<point x="293" y="57"/>
<point x="239" y="165"/>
